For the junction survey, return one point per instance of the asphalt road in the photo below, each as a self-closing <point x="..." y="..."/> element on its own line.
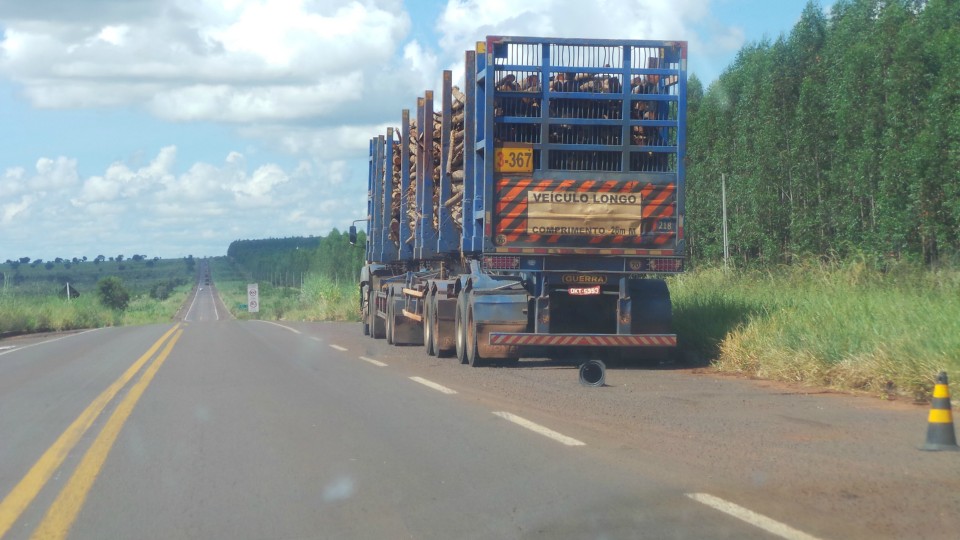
<point x="246" y="429"/>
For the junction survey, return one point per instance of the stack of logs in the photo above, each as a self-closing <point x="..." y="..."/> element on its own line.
<point x="455" y="159"/>
<point x="454" y="167"/>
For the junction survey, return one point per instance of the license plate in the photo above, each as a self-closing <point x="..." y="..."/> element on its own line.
<point x="584" y="291"/>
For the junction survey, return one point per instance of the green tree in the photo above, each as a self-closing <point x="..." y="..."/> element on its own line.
<point x="112" y="293"/>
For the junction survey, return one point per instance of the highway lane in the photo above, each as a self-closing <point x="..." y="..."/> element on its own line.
<point x="284" y="430"/>
<point x="205" y="304"/>
<point x="248" y="430"/>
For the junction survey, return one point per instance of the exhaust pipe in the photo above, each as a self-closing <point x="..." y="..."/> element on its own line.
<point x="593" y="373"/>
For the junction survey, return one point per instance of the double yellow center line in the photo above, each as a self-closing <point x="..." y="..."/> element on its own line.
<point x="61" y="515"/>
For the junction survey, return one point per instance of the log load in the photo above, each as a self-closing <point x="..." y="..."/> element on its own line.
<point x="455" y="159"/>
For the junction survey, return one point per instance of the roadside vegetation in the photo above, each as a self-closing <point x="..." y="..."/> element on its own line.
<point x="319" y="297"/>
<point x="103" y="292"/>
<point x="848" y="326"/>
<point x="838" y="144"/>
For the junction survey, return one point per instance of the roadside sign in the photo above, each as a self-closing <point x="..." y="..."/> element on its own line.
<point x="253" y="298"/>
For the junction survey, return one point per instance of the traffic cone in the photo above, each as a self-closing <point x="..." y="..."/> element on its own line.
<point x="940" y="434"/>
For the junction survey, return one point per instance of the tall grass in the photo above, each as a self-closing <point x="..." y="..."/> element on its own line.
<point x="24" y="314"/>
<point x="146" y="310"/>
<point x="845" y="326"/>
<point x="320" y="299"/>
<point x="51" y="314"/>
<point x="325" y="299"/>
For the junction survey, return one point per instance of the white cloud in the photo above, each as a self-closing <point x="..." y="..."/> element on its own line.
<point x="236" y="61"/>
<point x="10" y="211"/>
<point x="313" y="79"/>
<point x="158" y="210"/>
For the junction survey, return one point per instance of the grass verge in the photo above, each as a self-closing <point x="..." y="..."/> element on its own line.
<point x="843" y="326"/>
<point x="31" y="313"/>
<point x="319" y="299"/>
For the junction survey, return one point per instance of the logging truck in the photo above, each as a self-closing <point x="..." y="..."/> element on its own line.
<point x="535" y="212"/>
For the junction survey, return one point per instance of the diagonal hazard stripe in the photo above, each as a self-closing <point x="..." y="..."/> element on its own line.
<point x="658" y="202"/>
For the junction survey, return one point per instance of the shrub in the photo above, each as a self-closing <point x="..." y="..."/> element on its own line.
<point x="112" y="293"/>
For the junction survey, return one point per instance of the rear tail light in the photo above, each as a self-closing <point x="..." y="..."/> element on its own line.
<point x="501" y="263"/>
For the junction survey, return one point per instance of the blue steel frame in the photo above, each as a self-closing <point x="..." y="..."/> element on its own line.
<point x="472" y="235"/>
<point x="374" y="234"/>
<point x="389" y="249"/>
<point x="371" y="209"/>
<point x="426" y="242"/>
<point x="447" y="240"/>
<point x="406" y="249"/>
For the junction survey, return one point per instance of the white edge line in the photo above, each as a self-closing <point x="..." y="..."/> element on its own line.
<point x="537" y="428"/>
<point x="337" y="347"/>
<point x="15" y="348"/>
<point x="431" y="384"/>
<point x="213" y="298"/>
<point x="372" y="361"/>
<point x="294" y="330"/>
<point x="196" y="293"/>
<point x="749" y="516"/>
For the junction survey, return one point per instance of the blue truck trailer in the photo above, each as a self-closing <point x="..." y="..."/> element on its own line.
<point x="537" y="211"/>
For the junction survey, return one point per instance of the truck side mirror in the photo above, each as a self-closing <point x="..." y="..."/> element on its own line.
<point x="353" y="235"/>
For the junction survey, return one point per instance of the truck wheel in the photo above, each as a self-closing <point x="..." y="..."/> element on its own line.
<point x="428" y="327"/>
<point x="651" y="313"/>
<point x="390" y="321"/>
<point x="377" y="327"/>
<point x="435" y="332"/>
<point x="460" y="329"/>
<point x="473" y="355"/>
<point x="364" y="312"/>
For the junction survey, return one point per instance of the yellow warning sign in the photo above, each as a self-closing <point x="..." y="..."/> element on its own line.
<point x="583" y="213"/>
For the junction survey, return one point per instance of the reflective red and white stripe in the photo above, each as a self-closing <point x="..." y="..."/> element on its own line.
<point x="575" y="340"/>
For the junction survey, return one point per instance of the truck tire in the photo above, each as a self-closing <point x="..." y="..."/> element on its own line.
<point x="377" y="326"/>
<point x="650" y="309"/>
<point x="473" y="355"/>
<point x="390" y="321"/>
<point x="460" y="329"/>
<point x="651" y="313"/>
<point x="364" y="311"/>
<point x="435" y="332"/>
<point x="428" y="327"/>
<point x="428" y="343"/>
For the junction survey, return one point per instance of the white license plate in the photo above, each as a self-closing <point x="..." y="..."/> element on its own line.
<point x="584" y="291"/>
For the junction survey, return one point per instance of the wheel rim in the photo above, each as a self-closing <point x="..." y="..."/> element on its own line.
<point x="428" y="328"/>
<point x="434" y="328"/>
<point x="471" y="340"/>
<point x="461" y="350"/>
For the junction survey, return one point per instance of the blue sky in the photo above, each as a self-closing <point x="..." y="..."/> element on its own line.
<point x="172" y="127"/>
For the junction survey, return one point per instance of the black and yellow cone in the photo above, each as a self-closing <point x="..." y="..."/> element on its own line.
<point x="940" y="434"/>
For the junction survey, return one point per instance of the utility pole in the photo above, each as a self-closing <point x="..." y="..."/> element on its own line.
<point x="723" y="199"/>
